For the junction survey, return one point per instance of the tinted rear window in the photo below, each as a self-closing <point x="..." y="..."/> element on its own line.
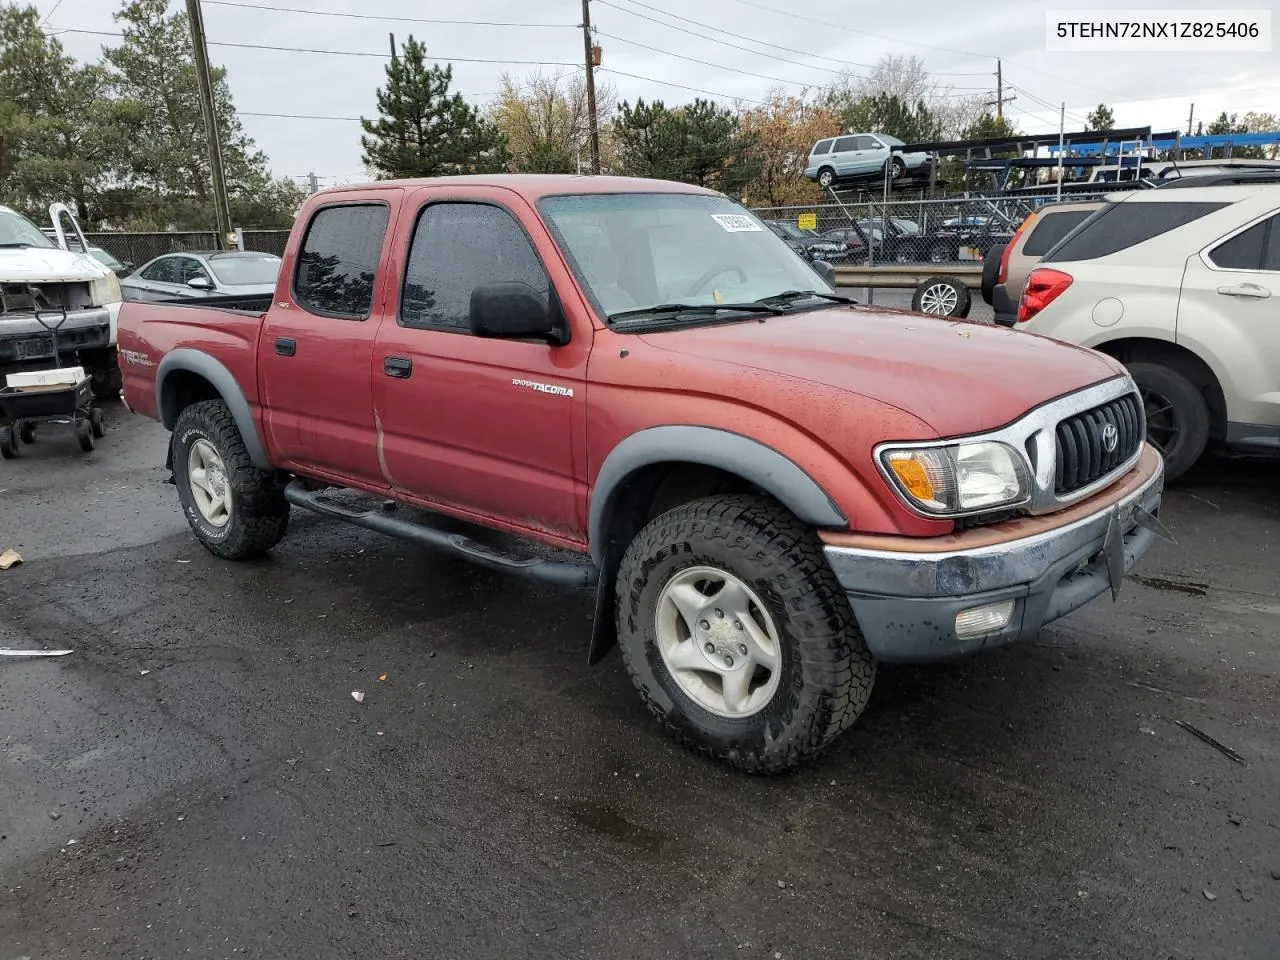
<point x="1050" y="229"/>
<point x="1118" y="226"/>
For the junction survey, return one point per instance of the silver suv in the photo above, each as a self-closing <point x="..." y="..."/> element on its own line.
<point x="1181" y="286"/>
<point x="860" y="155"/>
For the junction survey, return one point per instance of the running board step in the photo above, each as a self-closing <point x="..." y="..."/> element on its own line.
<point x="384" y="520"/>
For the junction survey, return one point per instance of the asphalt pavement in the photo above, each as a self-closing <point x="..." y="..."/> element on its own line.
<point x="197" y="780"/>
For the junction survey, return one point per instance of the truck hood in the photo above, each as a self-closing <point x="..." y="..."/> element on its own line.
<point x="956" y="376"/>
<point x="48" y="265"/>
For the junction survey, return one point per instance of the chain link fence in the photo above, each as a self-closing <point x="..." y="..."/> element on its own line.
<point x="139" y="248"/>
<point x="906" y="231"/>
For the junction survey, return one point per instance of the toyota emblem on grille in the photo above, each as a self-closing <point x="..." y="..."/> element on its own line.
<point x="1110" y="438"/>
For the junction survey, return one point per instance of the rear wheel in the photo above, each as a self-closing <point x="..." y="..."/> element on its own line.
<point x="235" y="509"/>
<point x="96" y="423"/>
<point x="27" y="432"/>
<point x="1177" y="415"/>
<point x="737" y="635"/>
<point x="826" y="178"/>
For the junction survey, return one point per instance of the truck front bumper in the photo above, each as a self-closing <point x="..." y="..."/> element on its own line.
<point x="907" y="594"/>
<point x="23" y="338"/>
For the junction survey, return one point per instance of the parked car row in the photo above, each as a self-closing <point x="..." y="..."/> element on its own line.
<point x="1178" y="283"/>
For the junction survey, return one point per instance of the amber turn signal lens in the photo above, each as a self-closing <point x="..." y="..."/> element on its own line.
<point x="911" y="474"/>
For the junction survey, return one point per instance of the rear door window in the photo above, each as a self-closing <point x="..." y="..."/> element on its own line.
<point x="1257" y="248"/>
<point x="1052" y="227"/>
<point x="162" y="271"/>
<point x="1119" y="226"/>
<point x="339" y="260"/>
<point x="456" y="248"/>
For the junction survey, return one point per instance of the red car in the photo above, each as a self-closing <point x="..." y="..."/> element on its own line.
<point x="637" y="386"/>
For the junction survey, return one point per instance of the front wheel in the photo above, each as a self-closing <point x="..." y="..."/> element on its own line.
<point x="737" y="635"/>
<point x="235" y="509"/>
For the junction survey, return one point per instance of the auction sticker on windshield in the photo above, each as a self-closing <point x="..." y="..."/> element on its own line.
<point x="736" y="223"/>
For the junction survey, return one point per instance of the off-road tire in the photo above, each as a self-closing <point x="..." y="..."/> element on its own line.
<point x="1190" y="408"/>
<point x="97" y="423"/>
<point x="27" y="433"/>
<point x="8" y="443"/>
<point x="826" y="669"/>
<point x="259" y="514"/>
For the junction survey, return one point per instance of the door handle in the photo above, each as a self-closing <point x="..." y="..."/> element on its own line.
<point x="1251" y="290"/>
<point x="399" y="367"/>
<point x="286" y="346"/>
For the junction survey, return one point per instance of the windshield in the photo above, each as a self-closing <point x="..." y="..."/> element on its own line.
<point x="18" y="231"/>
<point x="892" y="141"/>
<point x="246" y="271"/>
<point x="632" y="252"/>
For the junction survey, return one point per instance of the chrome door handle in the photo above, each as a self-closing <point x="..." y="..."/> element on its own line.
<point x="1251" y="290"/>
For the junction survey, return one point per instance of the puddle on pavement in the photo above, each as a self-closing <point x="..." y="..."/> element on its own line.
<point x="611" y="824"/>
<point x="1175" y="586"/>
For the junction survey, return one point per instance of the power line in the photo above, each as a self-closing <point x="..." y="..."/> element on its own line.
<point x="681" y="86"/>
<point x="383" y="17"/>
<point x="51" y="13"/>
<point x="703" y="63"/>
<point x="763" y="43"/>
<point x="342" y="53"/>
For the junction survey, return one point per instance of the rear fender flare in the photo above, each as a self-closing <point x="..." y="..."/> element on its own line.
<point x="222" y="380"/>
<point x="756" y="463"/>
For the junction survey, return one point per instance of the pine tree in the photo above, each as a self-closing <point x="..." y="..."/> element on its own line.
<point x="424" y="130"/>
<point x="1101" y="118"/>
<point x="164" y="158"/>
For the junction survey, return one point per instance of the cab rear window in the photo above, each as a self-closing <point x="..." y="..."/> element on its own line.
<point x="1119" y="226"/>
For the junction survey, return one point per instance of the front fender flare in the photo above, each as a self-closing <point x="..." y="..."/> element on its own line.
<point x="187" y="360"/>
<point x="763" y="466"/>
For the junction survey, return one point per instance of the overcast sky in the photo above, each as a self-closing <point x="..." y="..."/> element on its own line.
<point x="959" y="42"/>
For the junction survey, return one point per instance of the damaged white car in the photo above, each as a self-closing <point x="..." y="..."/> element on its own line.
<point x="46" y="283"/>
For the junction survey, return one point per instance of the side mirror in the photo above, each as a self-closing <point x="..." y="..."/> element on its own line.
<point x="513" y="311"/>
<point x="200" y="283"/>
<point x="825" y="270"/>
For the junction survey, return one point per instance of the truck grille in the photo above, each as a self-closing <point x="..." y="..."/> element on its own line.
<point x="1082" y="456"/>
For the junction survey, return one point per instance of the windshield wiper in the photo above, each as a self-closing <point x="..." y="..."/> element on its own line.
<point x="788" y="296"/>
<point x="678" y="308"/>
<point x="15" y="246"/>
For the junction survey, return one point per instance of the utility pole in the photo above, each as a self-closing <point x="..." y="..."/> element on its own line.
<point x="204" y="80"/>
<point x="392" y="36"/>
<point x="1000" y="99"/>
<point x="1190" y="117"/>
<point x="591" y="59"/>
<point x="1062" y="132"/>
<point x="313" y="182"/>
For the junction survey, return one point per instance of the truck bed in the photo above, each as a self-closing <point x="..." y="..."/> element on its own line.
<point x="256" y="305"/>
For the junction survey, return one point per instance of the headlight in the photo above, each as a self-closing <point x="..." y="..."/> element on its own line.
<point x="961" y="478"/>
<point x="105" y="290"/>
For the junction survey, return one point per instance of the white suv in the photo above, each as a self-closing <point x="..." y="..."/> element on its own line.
<point x="1183" y="287"/>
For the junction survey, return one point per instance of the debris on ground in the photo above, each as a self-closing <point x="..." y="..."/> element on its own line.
<point x="8" y="652"/>
<point x="1216" y="744"/>
<point x="1245" y="895"/>
<point x="10" y="558"/>
<point x="54" y="815"/>
<point x="357" y="696"/>
<point x="382" y="678"/>
<point x="1209" y="896"/>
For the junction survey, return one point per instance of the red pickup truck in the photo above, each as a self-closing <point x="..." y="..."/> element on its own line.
<point x="637" y="386"/>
